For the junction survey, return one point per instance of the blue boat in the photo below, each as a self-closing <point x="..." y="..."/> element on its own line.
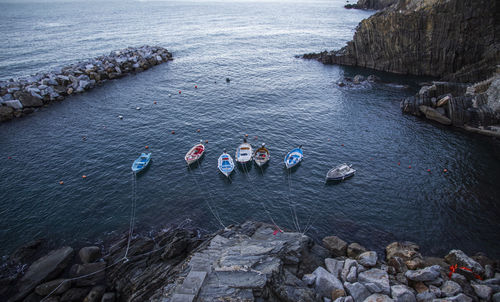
<point x="141" y="162"/>
<point x="294" y="157"/>
<point x="226" y="164"/>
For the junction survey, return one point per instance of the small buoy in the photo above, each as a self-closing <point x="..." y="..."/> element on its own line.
<point x="329" y="139"/>
<point x="61" y="182"/>
<point x="138" y="108"/>
<point x="173" y="132"/>
<point x="399" y="164"/>
<point x="84" y="176"/>
<point x="10" y="157"/>
<point x="169" y="95"/>
<point x="146" y="147"/>
<point x="445" y="170"/>
<point x="179" y="92"/>
<point x="342" y="145"/>
<point x="206" y="141"/>
<point x="409" y="167"/>
<point x="195" y="86"/>
<point x="429" y="170"/>
<point x="228" y="80"/>
<point x="84" y="138"/>
<point x="256" y="137"/>
<point x="197" y="130"/>
<point x="120" y="117"/>
<point x="154" y="102"/>
<point x="246" y="135"/>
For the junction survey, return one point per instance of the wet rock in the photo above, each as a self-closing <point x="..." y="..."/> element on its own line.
<point x="43" y="269"/>
<point x="489" y="271"/>
<point x="373" y="78"/>
<point x="89" y="254"/>
<point x="402" y="293"/>
<point x="46" y="288"/>
<point x="368" y="259"/>
<point x="378" y="298"/>
<point x="326" y="282"/>
<point x="335" y="245"/>
<point x="376" y="280"/>
<point x="75" y="294"/>
<point x="354" y="250"/>
<point x="460" y="258"/>
<point x="95" y="294"/>
<point x="358" y="291"/>
<point x="95" y="270"/>
<point x="483" y="291"/>
<point x="108" y="297"/>
<point x="434" y="115"/>
<point x="334" y="266"/>
<point x="426" y="274"/>
<point x="450" y="289"/>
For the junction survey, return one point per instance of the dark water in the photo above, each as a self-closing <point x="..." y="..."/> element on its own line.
<point x="273" y="97"/>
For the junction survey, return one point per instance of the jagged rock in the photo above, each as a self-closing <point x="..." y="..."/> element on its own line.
<point x="376" y="280"/>
<point x="378" y="298"/>
<point x="460" y="258"/>
<point x="372" y="4"/>
<point x="458" y="298"/>
<point x="483" y="291"/>
<point x="493" y="94"/>
<point x="95" y="294"/>
<point x="29" y="100"/>
<point x="46" y="288"/>
<point x="402" y="293"/>
<point x="398" y="264"/>
<point x="348" y="263"/>
<point x="358" y="291"/>
<point x="309" y="279"/>
<point x="15" y="104"/>
<point x="89" y="254"/>
<point x="353" y="273"/>
<point x="108" y="297"/>
<point x="326" y="282"/>
<point x="426" y="274"/>
<point x="44" y="269"/>
<point x="336" y="293"/>
<point x="368" y="259"/>
<point x="334" y="266"/>
<point x="75" y="294"/>
<point x="434" y="115"/>
<point x="450" y="288"/>
<point x="354" y="250"/>
<point x="404" y="250"/>
<point x="96" y="269"/>
<point x="435" y="290"/>
<point x="335" y="245"/>
<point x="426" y="296"/>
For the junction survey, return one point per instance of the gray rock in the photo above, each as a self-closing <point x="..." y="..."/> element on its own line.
<point x="97" y="271"/>
<point x="309" y="279"/>
<point x="30" y="101"/>
<point x="353" y="274"/>
<point x="398" y="264"/>
<point x="357" y="290"/>
<point x="434" y="115"/>
<point x="460" y="258"/>
<point x="450" y="289"/>
<point x="437" y="282"/>
<point x="15" y="104"/>
<point x="46" y="288"/>
<point x="436" y="291"/>
<point x="402" y="293"/>
<point x="348" y="263"/>
<point x="348" y="299"/>
<point x="376" y="280"/>
<point x="89" y="254"/>
<point x="483" y="291"/>
<point x="378" y="298"/>
<point x="496" y="297"/>
<point x="108" y="297"/>
<point x="95" y="294"/>
<point x="489" y="271"/>
<point x="44" y="269"/>
<point x="426" y="274"/>
<point x="335" y="245"/>
<point x="368" y="259"/>
<point x="426" y="296"/>
<point x="354" y="250"/>
<point x="7" y="97"/>
<point x="13" y="89"/>
<point x="458" y="298"/>
<point x="334" y="266"/>
<point x="75" y="294"/>
<point x="326" y="282"/>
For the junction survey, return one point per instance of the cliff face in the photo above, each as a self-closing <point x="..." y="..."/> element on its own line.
<point x="372" y="4"/>
<point x="453" y="39"/>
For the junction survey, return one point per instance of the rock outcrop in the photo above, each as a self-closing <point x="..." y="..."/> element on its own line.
<point x="371" y="4"/>
<point x="23" y="96"/>
<point x="452" y="39"/>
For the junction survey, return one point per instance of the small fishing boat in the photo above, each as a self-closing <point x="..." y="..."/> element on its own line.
<point x="226" y="164"/>
<point x="195" y="153"/>
<point x="244" y="152"/>
<point x="294" y="157"/>
<point x="141" y="162"/>
<point x="261" y="156"/>
<point x="340" y="172"/>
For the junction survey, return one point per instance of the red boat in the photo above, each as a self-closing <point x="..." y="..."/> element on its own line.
<point x="195" y="153"/>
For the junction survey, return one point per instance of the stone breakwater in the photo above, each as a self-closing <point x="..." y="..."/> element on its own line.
<point x="451" y="39"/>
<point x="249" y="262"/>
<point x="24" y="96"/>
<point x="475" y="108"/>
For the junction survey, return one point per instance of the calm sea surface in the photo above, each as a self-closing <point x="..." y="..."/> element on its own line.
<point x="273" y="97"/>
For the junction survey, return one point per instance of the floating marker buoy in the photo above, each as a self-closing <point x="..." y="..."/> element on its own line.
<point x="228" y="80"/>
<point x="197" y="130"/>
<point x="120" y="117"/>
<point x="9" y="157"/>
<point x="445" y="170"/>
<point x="399" y="164"/>
<point x="342" y="145"/>
<point x="154" y="102"/>
<point x="246" y="135"/>
<point x="61" y="182"/>
<point x="329" y="139"/>
<point x="429" y="170"/>
<point x="84" y="176"/>
<point x="256" y="137"/>
<point x="195" y="86"/>
<point x="146" y="147"/>
<point x="173" y="132"/>
<point x="169" y="95"/>
<point x="138" y="108"/>
<point x="179" y="92"/>
<point x="409" y="167"/>
<point x="206" y="141"/>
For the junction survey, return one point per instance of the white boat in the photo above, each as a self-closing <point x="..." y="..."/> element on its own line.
<point x="261" y="156"/>
<point x="226" y="164"/>
<point x="340" y="172"/>
<point x="195" y="153"/>
<point x="244" y="152"/>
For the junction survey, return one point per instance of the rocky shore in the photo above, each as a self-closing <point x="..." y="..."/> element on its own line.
<point x="24" y="96"/>
<point x="249" y="262"/>
<point x="371" y="4"/>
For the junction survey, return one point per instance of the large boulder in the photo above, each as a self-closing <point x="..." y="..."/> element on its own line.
<point x="402" y="293"/>
<point x="95" y="272"/>
<point x="483" y="291"/>
<point x="348" y="264"/>
<point x="355" y="249"/>
<point x="450" y="288"/>
<point x="408" y="251"/>
<point x="326" y="282"/>
<point x="426" y="274"/>
<point x="334" y="266"/>
<point x="335" y="245"/>
<point x="368" y="259"/>
<point x="358" y="291"/>
<point x="29" y="100"/>
<point x="89" y="254"/>
<point x="376" y="280"/>
<point x="46" y="268"/>
<point x="460" y="258"/>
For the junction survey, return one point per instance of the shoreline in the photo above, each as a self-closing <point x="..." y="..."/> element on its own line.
<point x="173" y="251"/>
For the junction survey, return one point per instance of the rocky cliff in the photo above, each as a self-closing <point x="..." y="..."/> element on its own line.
<point x="453" y="39"/>
<point x="371" y="4"/>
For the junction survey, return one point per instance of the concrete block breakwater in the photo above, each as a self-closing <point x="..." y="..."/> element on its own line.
<point x="23" y="96"/>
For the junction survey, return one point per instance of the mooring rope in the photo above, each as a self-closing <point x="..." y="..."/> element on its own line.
<point x="132" y="212"/>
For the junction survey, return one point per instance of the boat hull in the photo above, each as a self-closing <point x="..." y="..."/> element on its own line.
<point x="194" y="154"/>
<point x="293" y="158"/>
<point x="141" y="162"/>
